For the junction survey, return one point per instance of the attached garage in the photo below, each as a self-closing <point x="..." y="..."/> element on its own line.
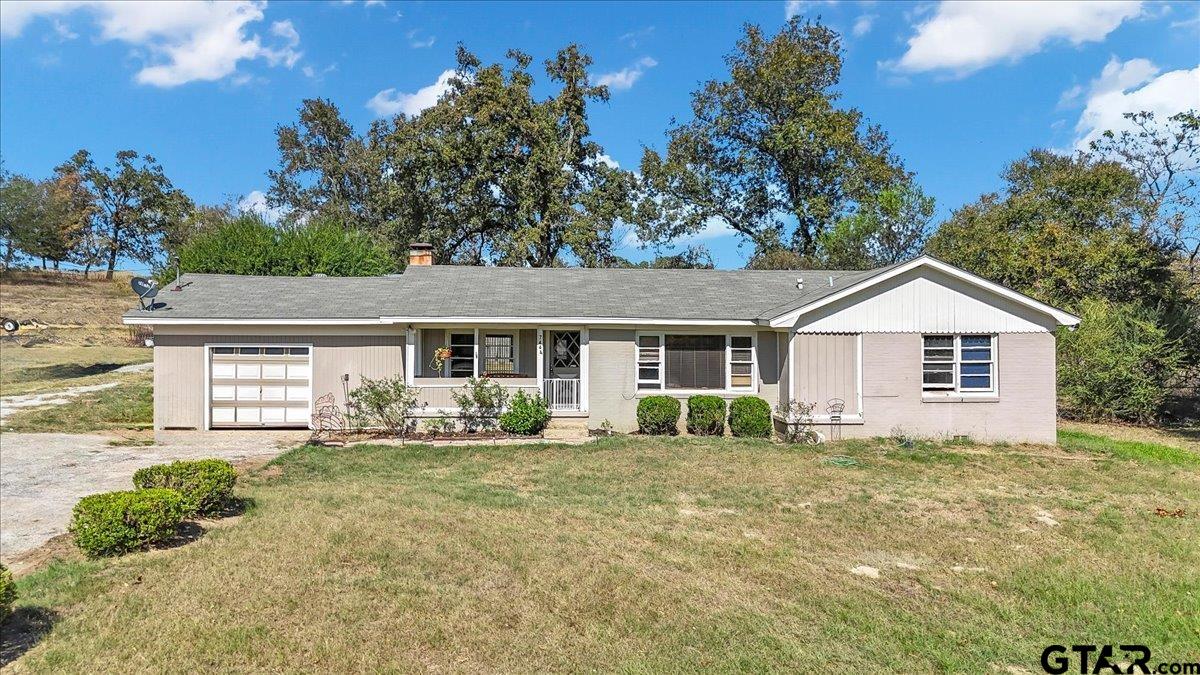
<point x="259" y="386"/>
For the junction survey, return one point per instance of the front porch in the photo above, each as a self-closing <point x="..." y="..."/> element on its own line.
<point x="551" y="361"/>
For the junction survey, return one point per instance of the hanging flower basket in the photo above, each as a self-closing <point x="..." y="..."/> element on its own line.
<point x="439" y="358"/>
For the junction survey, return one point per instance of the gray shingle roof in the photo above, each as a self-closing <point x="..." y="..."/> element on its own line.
<point x="444" y="291"/>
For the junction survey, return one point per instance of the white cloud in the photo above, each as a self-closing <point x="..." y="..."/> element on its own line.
<point x="625" y="78"/>
<point x="391" y="102"/>
<point x="963" y="37"/>
<point x="634" y="37"/>
<point x="63" y="31"/>
<point x="863" y="24"/>
<point x="185" y="41"/>
<point x="1129" y="87"/>
<point x="418" y="43"/>
<point x="796" y="7"/>
<point x="256" y="202"/>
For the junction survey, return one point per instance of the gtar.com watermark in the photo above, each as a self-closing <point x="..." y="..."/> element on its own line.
<point x="1093" y="659"/>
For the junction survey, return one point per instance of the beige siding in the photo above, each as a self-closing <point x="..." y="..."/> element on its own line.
<point x="769" y="375"/>
<point x="1022" y="411"/>
<point x="925" y="301"/>
<point x="613" y="395"/>
<point x="827" y="368"/>
<point x="442" y="397"/>
<point x="610" y="369"/>
<point x="180" y="388"/>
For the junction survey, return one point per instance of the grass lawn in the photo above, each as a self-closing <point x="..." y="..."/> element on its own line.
<point x="644" y="554"/>
<point x="129" y="405"/>
<point x="33" y="370"/>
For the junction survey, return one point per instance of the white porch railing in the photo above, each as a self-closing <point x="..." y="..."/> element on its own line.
<point x="561" y="394"/>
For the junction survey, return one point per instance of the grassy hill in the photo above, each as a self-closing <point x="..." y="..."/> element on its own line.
<point x="71" y="334"/>
<point x="66" y="309"/>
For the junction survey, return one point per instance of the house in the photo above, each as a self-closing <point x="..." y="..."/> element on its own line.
<point x="921" y="346"/>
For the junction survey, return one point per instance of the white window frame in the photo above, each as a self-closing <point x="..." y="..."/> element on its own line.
<point x="516" y="347"/>
<point x="662" y="363"/>
<point x="955" y="387"/>
<point x="450" y="333"/>
<point x="729" y="362"/>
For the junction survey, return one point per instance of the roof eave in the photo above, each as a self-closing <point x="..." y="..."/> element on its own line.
<point x="789" y="318"/>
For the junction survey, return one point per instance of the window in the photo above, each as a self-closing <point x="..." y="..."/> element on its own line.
<point x="741" y="362"/>
<point x="649" y="362"/>
<point x="695" y="362"/>
<point x="499" y="354"/>
<point x="962" y="363"/>
<point x="297" y="351"/>
<point x="462" y="355"/>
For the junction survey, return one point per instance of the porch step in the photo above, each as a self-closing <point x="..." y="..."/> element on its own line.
<point x="566" y="429"/>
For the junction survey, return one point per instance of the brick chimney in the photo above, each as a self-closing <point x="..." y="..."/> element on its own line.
<point x="420" y="254"/>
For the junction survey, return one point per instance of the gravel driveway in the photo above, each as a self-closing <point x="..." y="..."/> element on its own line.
<point x="43" y="475"/>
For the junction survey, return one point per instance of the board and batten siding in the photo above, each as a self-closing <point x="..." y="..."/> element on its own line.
<point x="925" y="301"/>
<point x="180" y="389"/>
<point x="826" y="368"/>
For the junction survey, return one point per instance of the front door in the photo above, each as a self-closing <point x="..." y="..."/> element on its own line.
<point x="564" y="354"/>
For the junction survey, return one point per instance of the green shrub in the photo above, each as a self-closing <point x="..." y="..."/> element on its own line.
<point x="387" y="403"/>
<point x="8" y="592"/>
<point x="480" y="402"/>
<point x="526" y="415"/>
<point x="706" y="415"/>
<point x="1121" y="363"/>
<point x="658" y="415"/>
<point x="249" y="245"/>
<point x="205" y="484"/>
<point x="750" y="416"/>
<point x="112" y="523"/>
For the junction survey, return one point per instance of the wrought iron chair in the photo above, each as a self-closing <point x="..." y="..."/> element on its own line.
<point x="834" y="408"/>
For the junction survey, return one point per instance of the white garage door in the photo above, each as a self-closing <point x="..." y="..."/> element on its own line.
<point x="260" y="387"/>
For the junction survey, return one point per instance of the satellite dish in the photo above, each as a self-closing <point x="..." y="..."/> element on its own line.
<point x="11" y="325"/>
<point x="146" y="289"/>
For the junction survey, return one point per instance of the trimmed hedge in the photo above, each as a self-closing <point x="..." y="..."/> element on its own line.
<point x="112" y="523"/>
<point x="205" y="484"/>
<point x="706" y="415"/>
<point x="526" y="415"/>
<point x="8" y="592"/>
<point x="750" y="416"/>
<point x="658" y="415"/>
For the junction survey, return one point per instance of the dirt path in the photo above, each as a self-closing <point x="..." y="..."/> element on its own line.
<point x="12" y="404"/>
<point x="43" y="475"/>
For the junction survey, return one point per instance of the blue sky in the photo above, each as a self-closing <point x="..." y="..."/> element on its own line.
<point x="961" y="88"/>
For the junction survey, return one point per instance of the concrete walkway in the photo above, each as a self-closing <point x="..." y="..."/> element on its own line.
<point x="43" y="475"/>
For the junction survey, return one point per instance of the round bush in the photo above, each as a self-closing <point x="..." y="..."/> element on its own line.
<point x="750" y="416"/>
<point x="706" y="415"/>
<point x="8" y="592"/>
<point x="112" y="523"/>
<point x="526" y="415"/>
<point x="658" y="415"/>
<point x="205" y="484"/>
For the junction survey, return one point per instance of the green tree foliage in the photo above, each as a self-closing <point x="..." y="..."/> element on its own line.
<point x="491" y="174"/>
<point x="1072" y="231"/>
<point x="889" y="228"/>
<point x="692" y="258"/>
<point x="328" y="170"/>
<point x="1063" y="230"/>
<point x="135" y="203"/>
<point x="1165" y="156"/>
<point x="768" y="150"/>
<point x="1115" y="365"/>
<point x="248" y="245"/>
<point x="20" y="210"/>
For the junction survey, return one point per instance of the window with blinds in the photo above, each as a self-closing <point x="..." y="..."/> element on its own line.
<point x="695" y="361"/>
